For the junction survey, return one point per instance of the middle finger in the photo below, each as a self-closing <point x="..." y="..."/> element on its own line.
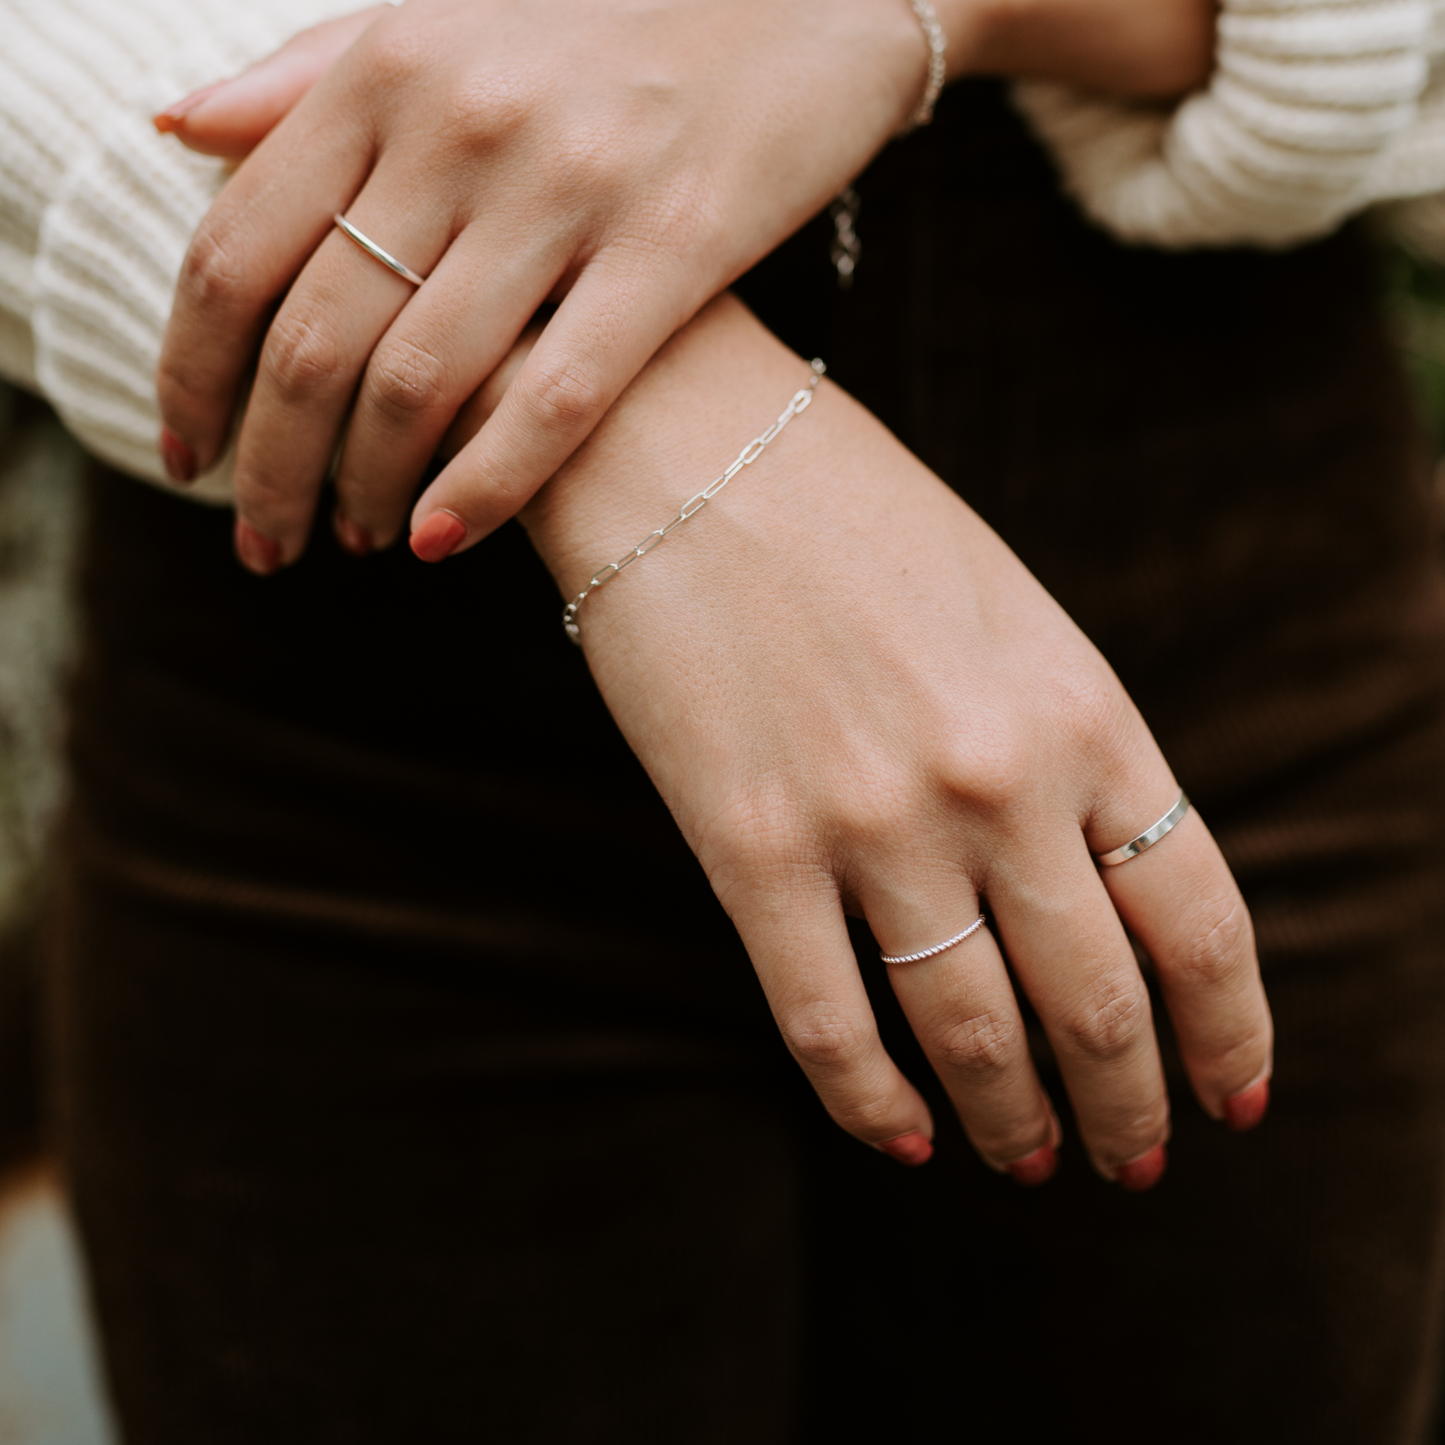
<point x="1075" y="962"/>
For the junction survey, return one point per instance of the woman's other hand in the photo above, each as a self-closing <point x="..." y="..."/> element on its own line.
<point x="855" y="699"/>
<point x="628" y="159"/>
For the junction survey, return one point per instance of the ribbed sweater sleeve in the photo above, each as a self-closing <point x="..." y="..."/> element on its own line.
<point x="96" y="209"/>
<point x="1317" y="110"/>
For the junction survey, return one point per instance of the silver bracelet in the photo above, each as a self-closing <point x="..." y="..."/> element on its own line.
<point x="937" y="45"/>
<point x="691" y="507"/>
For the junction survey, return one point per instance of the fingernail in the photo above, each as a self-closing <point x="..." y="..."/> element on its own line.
<point x="438" y="537"/>
<point x="1035" y="1168"/>
<point x="352" y="538"/>
<point x="911" y="1148"/>
<point x="170" y="118"/>
<point x="179" y="460"/>
<point x="1144" y="1172"/>
<point x="1246" y="1108"/>
<point x="257" y="553"/>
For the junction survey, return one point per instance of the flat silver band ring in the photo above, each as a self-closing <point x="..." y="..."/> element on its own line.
<point x="1148" y="838"/>
<point x="372" y="249"/>
<point x="937" y="947"/>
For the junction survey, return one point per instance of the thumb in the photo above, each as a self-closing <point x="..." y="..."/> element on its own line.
<point x="232" y="117"/>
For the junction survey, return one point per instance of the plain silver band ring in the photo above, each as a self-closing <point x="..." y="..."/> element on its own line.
<point x="937" y="947"/>
<point x="372" y="249"/>
<point x="1148" y="838"/>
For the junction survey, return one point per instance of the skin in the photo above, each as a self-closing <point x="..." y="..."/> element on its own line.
<point x="810" y="789"/>
<point x="909" y="784"/>
<point x="628" y="158"/>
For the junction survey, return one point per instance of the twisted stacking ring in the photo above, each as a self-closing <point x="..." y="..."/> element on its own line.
<point x="937" y="947"/>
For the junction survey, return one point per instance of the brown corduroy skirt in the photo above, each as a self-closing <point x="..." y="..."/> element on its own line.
<point x="401" y="1102"/>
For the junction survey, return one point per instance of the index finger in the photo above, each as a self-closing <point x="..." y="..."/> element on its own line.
<point x="606" y="330"/>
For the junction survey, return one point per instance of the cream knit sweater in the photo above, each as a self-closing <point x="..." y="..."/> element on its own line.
<point x="1319" y="109"/>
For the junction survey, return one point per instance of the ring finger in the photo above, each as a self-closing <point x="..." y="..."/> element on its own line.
<point x="961" y="1007"/>
<point x="313" y="355"/>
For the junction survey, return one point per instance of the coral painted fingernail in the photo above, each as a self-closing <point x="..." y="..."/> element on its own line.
<point x="257" y="553"/>
<point x="911" y="1148"/>
<point x="1144" y="1172"/>
<point x="1246" y="1108"/>
<point x="352" y="538"/>
<point x="438" y="537"/>
<point x="170" y="118"/>
<point x="1035" y="1168"/>
<point x="179" y="460"/>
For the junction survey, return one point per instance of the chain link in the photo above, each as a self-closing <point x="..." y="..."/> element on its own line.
<point x="693" y="505"/>
<point x="937" y="43"/>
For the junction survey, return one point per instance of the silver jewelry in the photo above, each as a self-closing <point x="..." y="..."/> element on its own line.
<point x="846" y="247"/>
<point x="1148" y="838"/>
<point x="937" y="44"/>
<point x="937" y="947"/>
<point x="690" y="508"/>
<point x="372" y="249"/>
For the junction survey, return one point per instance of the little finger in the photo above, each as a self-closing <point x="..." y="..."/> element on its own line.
<point x="312" y="359"/>
<point x="799" y="945"/>
<point x="1180" y="901"/>
<point x="231" y="117"/>
<point x="275" y="211"/>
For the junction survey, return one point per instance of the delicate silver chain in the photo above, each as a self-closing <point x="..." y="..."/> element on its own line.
<point x="937" y="45"/>
<point x="693" y="505"/>
<point x="847" y="247"/>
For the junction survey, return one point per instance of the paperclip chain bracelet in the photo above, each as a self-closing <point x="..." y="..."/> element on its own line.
<point x="691" y="507"/>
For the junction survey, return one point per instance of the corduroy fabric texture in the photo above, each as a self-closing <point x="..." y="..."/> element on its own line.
<point x="414" y="1087"/>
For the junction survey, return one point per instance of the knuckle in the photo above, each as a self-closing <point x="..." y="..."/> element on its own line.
<point x="991" y="779"/>
<point x="875" y="807"/>
<point x="752" y="842"/>
<point x="566" y="394"/>
<point x="482" y="111"/>
<point x="212" y="277"/>
<point x="301" y="358"/>
<point x="268" y="501"/>
<point x="826" y="1041"/>
<point x="1212" y="953"/>
<point x="396" y="58"/>
<point x="1107" y="1022"/>
<point x="982" y="1047"/>
<point x="407" y="381"/>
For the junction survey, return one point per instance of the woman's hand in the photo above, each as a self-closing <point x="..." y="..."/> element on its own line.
<point x="855" y="699"/>
<point x="628" y="157"/>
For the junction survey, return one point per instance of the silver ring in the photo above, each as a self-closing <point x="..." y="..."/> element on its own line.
<point x="372" y="249"/>
<point x="937" y="947"/>
<point x="1148" y="838"/>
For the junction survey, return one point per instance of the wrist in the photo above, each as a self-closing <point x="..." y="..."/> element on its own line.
<point x="1156" y="51"/>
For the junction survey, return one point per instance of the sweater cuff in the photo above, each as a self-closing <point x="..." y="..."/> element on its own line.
<point x="117" y="203"/>
<point x="1310" y="101"/>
